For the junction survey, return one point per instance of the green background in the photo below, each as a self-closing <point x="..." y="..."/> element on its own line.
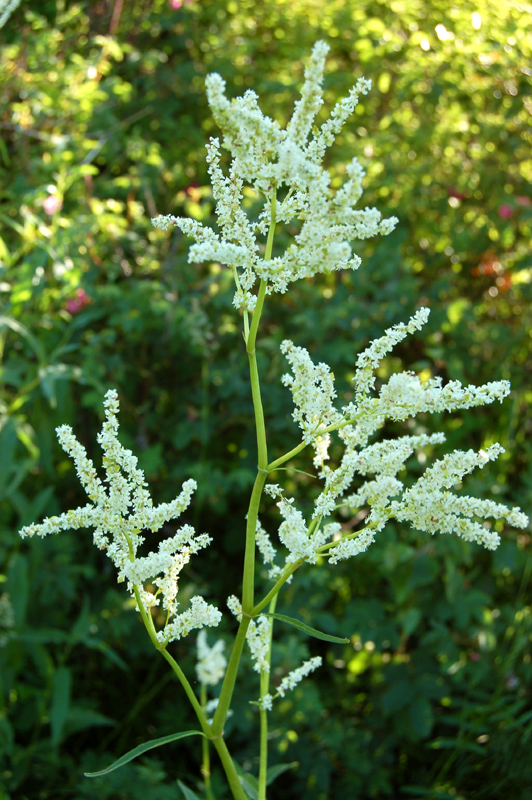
<point x="102" y="106"/>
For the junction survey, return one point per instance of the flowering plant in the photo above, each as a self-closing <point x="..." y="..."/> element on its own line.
<point x="284" y="169"/>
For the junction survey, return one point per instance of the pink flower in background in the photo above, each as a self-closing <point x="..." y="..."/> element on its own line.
<point x="176" y="4"/>
<point x="75" y="304"/>
<point x="505" y="211"/>
<point x="52" y="204"/>
<point x="452" y="191"/>
<point x="474" y="656"/>
<point x="523" y="201"/>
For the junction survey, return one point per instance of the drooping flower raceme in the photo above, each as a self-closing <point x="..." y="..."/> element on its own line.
<point x="120" y="513"/>
<point x="268" y="158"/>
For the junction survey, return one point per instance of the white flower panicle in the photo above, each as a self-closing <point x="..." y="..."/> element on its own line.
<point x="268" y="158"/>
<point x="119" y="513"/>
<point x="290" y="681"/>
<point x="402" y="397"/>
<point x="211" y="664"/>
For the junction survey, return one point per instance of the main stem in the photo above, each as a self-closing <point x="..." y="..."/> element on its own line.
<point x="248" y="581"/>
<point x="248" y="584"/>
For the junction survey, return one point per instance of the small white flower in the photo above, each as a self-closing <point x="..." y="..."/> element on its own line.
<point x="266" y="702"/>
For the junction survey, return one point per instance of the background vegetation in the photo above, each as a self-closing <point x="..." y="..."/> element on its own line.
<point x="103" y="123"/>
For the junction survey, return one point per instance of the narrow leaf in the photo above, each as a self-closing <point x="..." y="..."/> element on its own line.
<point x="307" y="629"/>
<point x="248" y="782"/>
<point x="142" y="748"/>
<point x="278" y="769"/>
<point x="189" y="794"/>
<point x="249" y="789"/>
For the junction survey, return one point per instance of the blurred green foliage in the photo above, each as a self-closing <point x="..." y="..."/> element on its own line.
<point x="103" y="125"/>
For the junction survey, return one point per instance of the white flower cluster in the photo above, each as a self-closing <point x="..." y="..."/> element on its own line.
<point x="267" y="551"/>
<point x="404" y="396"/>
<point x="290" y="681"/>
<point x="119" y="514"/>
<point x="211" y="664"/>
<point x="296" y="537"/>
<point x="269" y="158"/>
<point x="312" y="387"/>
<point x="258" y="635"/>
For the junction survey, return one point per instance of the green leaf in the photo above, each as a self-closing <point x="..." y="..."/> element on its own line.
<point x="18" y="327"/>
<point x="248" y="786"/>
<point x="278" y="769"/>
<point x="397" y="696"/>
<point x="189" y="794"/>
<point x="60" y="703"/>
<point x="421" y="716"/>
<point x="18" y="584"/>
<point x="79" y="719"/>
<point x="248" y="782"/>
<point x="142" y="748"/>
<point x="307" y="629"/>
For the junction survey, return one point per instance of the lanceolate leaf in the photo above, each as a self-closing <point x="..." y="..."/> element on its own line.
<point x="189" y="794"/>
<point x="307" y="629"/>
<point x="142" y="748"/>
<point x="278" y="769"/>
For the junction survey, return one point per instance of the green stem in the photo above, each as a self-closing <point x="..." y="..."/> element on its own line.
<point x="291" y="568"/>
<point x="248" y="585"/>
<point x="229" y="768"/>
<point x="230" y="677"/>
<point x="206" y="728"/>
<point x="301" y="446"/>
<point x="252" y="353"/>
<point x="206" y="759"/>
<point x="353" y="535"/>
<point x="215" y="737"/>
<point x="264" y="687"/>
<point x="248" y="582"/>
<point x="255" y="383"/>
